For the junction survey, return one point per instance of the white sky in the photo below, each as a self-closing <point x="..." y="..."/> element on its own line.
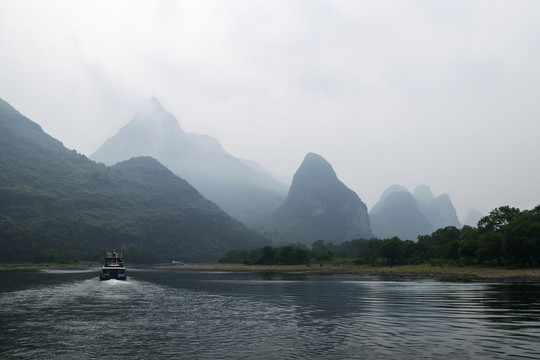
<point x="443" y="93"/>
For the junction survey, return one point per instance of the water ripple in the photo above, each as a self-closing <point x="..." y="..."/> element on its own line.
<point x="244" y="316"/>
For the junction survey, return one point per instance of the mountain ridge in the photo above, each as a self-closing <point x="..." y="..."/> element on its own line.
<point x="408" y="216"/>
<point x="319" y="207"/>
<point x="237" y="188"/>
<point x="56" y="200"/>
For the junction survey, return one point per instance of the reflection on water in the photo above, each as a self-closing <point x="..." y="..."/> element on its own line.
<point x="183" y="314"/>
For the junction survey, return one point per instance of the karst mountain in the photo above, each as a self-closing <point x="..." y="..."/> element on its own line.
<point x="319" y="207"/>
<point x="406" y="215"/>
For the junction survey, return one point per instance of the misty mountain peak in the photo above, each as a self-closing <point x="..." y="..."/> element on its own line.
<point x="152" y="132"/>
<point x="400" y="216"/>
<point x="154" y="102"/>
<point x="151" y="107"/>
<point x="320" y="206"/>
<point x="423" y="194"/>
<point x="200" y="159"/>
<point x="401" y="213"/>
<point x="314" y="168"/>
<point x="472" y="218"/>
<point x="390" y="190"/>
<point x="154" y="113"/>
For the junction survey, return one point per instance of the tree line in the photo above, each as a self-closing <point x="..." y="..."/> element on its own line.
<point x="507" y="237"/>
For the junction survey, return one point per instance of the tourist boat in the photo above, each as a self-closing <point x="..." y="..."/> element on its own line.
<point x="113" y="267"/>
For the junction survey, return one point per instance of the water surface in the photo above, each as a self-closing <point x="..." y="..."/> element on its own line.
<point x="212" y="315"/>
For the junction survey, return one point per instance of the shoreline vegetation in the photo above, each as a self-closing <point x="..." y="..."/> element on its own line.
<point x="443" y="272"/>
<point x="48" y="266"/>
<point x="446" y="272"/>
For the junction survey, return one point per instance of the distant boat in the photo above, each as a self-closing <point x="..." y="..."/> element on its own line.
<point x="177" y="262"/>
<point x="113" y="267"/>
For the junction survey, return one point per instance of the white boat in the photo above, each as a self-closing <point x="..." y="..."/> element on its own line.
<point x="113" y="267"/>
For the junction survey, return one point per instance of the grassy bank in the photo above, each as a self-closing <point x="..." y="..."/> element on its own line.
<point x="47" y="266"/>
<point x="440" y="272"/>
<point x="446" y="272"/>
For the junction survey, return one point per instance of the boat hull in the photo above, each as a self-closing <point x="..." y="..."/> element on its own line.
<point x="113" y="273"/>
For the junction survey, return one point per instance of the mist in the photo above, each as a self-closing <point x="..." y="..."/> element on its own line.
<point x="409" y="92"/>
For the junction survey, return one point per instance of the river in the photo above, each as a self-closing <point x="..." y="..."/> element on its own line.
<point x="159" y="314"/>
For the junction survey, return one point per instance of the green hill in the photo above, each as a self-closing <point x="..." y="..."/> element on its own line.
<point x="56" y="204"/>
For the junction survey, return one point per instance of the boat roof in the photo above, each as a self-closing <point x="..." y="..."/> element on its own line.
<point x="113" y="255"/>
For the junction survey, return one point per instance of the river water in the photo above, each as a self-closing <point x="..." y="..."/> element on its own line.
<point x="225" y="315"/>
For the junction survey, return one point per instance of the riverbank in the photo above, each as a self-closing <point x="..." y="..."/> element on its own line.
<point x="47" y="266"/>
<point x="445" y="272"/>
<point x="425" y="270"/>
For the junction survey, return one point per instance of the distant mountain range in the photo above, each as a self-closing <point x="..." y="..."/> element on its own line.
<point x="242" y="188"/>
<point x="472" y="217"/>
<point x="319" y="207"/>
<point x="56" y="201"/>
<point x="400" y="213"/>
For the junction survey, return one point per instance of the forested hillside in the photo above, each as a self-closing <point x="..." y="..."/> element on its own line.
<point x="57" y="205"/>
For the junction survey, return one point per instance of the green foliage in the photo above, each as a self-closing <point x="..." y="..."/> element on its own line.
<point x="522" y="239"/>
<point x="268" y="256"/>
<point x="324" y="256"/>
<point x="56" y="204"/>
<point x="489" y="247"/>
<point x="507" y="236"/>
<point x="497" y="218"/>
<point x="284" y="255"/>
<point x="392" y="250"/>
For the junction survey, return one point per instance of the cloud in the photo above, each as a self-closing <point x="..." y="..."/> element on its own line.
<point x="409" y="92"/>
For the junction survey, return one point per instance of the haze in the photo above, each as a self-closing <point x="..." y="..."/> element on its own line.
<point x="440" y="93"/>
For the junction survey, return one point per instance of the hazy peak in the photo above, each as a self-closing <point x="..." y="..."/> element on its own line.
<point x="200" y="159"/>
<point x="320" y="206"/>
<point x="154" y="101"/>
<point x="390" y="190"/>
<point x="315" y="166"/>
<point x="423" y="194"/>
<point x="394" y="188"/>
<point x="153" y="111"/>
<point x="400" y="216"/>
<point x="472" y="218"/>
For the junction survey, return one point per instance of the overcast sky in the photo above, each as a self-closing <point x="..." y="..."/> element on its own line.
<point x="443" y="93"/>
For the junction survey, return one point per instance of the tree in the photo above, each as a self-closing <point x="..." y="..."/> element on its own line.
<point x="498" y="218"/>
<point x="300" y="256"/>
<point x="321" y="251"/>
<point x="468" y="243"/>
<point x="268" y="256"/>
<point x="489" y="247"/>
<point x="235" y="257"/>
<point x="521" y="246"/>
<point x="284" y="255"/>
<point x="318" y="246"/>
<point x="392" y="250"/>
<point x="442" y="243"/>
